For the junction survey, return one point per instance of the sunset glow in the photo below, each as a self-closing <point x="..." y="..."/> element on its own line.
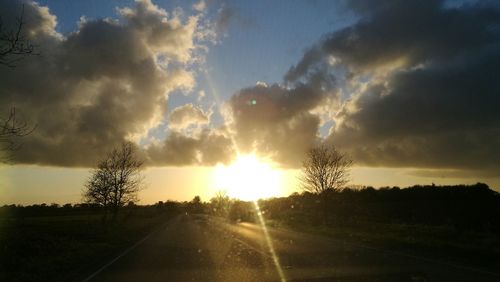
<point x="249" y="178"/>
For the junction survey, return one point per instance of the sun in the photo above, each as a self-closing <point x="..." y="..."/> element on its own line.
<point x="249" y="179"/>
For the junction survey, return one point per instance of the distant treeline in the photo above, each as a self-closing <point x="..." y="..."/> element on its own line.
<point x="464" y="207"/>
<point x="42" y="210"/>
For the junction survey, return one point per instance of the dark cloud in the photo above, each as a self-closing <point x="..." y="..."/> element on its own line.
<point x="277" y="122"/>
<point x="411" y="32"/>
<point x="422" y="82"/>
<point x="411" y="84"/>
<point x="206" y="148"/>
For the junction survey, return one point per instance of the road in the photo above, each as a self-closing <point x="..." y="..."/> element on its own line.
<point x="196" y="248"/>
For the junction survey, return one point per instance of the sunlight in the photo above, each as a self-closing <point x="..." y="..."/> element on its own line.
<point x="269" y="243"/>
<point x="248" y="178"/>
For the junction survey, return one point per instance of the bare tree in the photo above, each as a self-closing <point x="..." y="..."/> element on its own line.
<point x="13" y="45"/>
<point x="116" y="181"/>
<point x="220" y="203"/>
<point x="12" y="128"/>
<point x="98" y="190"/>
<point x="325" y="168"/>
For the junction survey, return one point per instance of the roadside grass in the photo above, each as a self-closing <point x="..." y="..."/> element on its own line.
<point x="434" y="242"/>
<point x="67" y="247"/>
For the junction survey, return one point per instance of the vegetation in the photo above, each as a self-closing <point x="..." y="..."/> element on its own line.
<point x="12" y="128"/>
<point x="68" y="243"/>
<point x="116" y="180"/>
<point x="325" y="169"/>
<point x="13" y="44"/>
<point x="13" y="47"/>
<point x="460" y="222"/>
<point x="64" y="243"/>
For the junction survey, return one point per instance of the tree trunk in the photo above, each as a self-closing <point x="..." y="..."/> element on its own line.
<point x="325" y="209"/>
<point x="105" y="215"/>
<point x="115" y="213"/>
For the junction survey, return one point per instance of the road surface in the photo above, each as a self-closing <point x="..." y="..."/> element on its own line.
<point x="197" y="248"/>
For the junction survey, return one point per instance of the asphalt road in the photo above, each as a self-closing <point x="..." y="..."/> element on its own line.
<point x="196" y="248"/>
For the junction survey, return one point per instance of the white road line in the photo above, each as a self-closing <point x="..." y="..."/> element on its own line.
<point x="389" y="252"/>
<point x="122" y="254"/>
<point x="421" y="258"/>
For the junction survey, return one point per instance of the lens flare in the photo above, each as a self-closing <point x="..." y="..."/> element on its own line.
<point x="269" y="243"/>
<point x="249" y="179"/>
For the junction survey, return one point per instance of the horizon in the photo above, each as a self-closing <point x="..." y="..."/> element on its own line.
<point x="211" y="92"/>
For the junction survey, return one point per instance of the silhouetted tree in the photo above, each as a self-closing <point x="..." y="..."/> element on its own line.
<point x="220" y="203"/>
<point x="116" y="180"/>
<point x="195" y="206"/>
<point x="12" y="128"/>
<point x="325" y="169"/>
<point x="13" y="44"/>
<point x="13" y="47"/>
<point x="241" y="211"/>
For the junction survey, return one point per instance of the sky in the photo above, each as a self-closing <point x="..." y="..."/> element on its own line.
<point x="408" y="90"/>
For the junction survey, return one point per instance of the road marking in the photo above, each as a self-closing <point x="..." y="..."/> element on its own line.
<point x="436" y="261"/>
<point x="124" y="253"/>
<point x="389" y="252"/>
<point x="402" y="254"/>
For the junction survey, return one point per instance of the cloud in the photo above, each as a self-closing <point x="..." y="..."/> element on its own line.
<point x="187" y="115"/>
<point x="229" y="15"/>
<point x="104" y="83"/>
<point x="409" y="84"/>
<point x="206" y="148"/>
<point x="420" y="80"/>
<point x="225" y="15"/>
<point x="200" y="6"/>
<point x="275" y="121"/>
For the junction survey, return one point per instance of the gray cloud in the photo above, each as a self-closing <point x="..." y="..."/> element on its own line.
<point x="272" y="121"/>
<point x="229" y="15"/>
<point x="209" y="147"/>
<point x="277" y="122"/>
<point x="418" y="83"/>
<point x="105" y="83"/>
<point x="225" y="15"/>
<point x="422" y="82"/>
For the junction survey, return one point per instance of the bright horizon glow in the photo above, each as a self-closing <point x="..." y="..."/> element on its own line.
<point x="249" y="179"/>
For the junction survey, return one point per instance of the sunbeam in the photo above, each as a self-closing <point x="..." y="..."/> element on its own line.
<point x="262" y="223"/>
<point x="269" y="243"/>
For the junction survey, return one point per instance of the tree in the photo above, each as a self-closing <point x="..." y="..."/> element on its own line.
<point x="13" y="45"/>
<point x="116" y="181"/>
<point x="220" y="203"/>
<point x="195" y="206"/>
<point x="11" y="128"/>
<point x="325" y="169"/>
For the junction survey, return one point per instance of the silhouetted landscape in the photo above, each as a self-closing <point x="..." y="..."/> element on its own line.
<point x="235" y="140"/>
<point x="458" y="224"/>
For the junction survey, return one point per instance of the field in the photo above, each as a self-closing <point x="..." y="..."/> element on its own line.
<point x="69" y="245"/>
<point x="425" y="226"/>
